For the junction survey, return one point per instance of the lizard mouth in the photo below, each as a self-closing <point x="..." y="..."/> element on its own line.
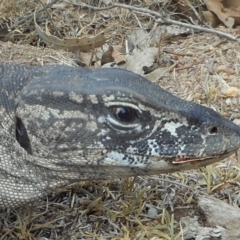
<point x="182" y="159"/>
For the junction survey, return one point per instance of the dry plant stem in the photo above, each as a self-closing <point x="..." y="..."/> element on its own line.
<point x="50" y="19"/>
<point x="163" y="19"/>
<point x="139" y="23"/>
<point x="85" y="27"/>
<point x="160" y="43"/>
<point x="196" y="191"/>
<point x="31" y="15"/>
<point x="186" y="67"/>
<point x="70" y="25"/>
<point x="178" y="54"/>
<point x="194" y="10"/>
<point x="89" y="6"/>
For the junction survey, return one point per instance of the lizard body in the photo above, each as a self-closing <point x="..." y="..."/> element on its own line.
<point x="63" y="124"/>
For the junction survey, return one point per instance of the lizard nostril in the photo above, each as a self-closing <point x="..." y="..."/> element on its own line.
<point x="213" y="130"/>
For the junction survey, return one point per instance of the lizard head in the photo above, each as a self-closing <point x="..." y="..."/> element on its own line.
<point x="114" y="122"/>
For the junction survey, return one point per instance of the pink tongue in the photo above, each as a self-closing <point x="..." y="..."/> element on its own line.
<point x="181" y="160"/>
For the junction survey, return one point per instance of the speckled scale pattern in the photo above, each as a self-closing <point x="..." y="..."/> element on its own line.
<point x="65" y="117"/>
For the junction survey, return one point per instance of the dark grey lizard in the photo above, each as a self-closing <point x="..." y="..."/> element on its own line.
<point x="62" y="124"/>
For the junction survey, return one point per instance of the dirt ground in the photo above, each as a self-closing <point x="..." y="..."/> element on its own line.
<point x="197" y="66"/>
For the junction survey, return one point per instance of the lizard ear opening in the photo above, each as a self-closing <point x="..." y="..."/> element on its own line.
<point x="22" y="136"/>
<point x="213" y="130"/>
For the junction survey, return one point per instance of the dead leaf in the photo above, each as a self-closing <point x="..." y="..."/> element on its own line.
<point x="211" y="18"/>
<point x="237" y="121"/>
<point x="168" y="32"/>
<point x="158" y="74"/>
<point x="119" y="58"/>
<point x="152" y="211"/>
<point x="231" y="3"/>
<point x="86" y="58"/>
<point x="107" y="56"/>
<point x="225" y="69"/>
<point x="229" y="16"/>
<point x="83" y="44"/>
<point x="139" y="59"/>
<point x="231" y="92"/>
<point x="139" y="38"/>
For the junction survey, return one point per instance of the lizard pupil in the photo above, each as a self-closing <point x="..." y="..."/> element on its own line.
<point x="124" y="114"/>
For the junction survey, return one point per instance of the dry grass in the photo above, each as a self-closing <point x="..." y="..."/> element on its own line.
<point x="132" y="208"/>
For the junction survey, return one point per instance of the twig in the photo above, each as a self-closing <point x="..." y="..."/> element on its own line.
<point x="178" y="53"/>
<point x="89" y="6"/>
<point x="194" y="10"/>
<point x="162" y="19"/>
<point x="139" y="23"/>
<point x="31" y="15"/>
<point x="50" y="19"/>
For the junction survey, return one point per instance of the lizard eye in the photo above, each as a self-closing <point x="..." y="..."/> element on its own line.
<point x="125" y="114"/>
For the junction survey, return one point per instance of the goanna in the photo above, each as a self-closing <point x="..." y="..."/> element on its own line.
<point x="63" y="124"/>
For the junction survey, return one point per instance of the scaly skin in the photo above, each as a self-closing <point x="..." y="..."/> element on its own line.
<point x="62" y="124"/>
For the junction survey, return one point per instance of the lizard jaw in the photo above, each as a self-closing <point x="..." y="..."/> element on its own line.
<point x="181" y="160"/>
